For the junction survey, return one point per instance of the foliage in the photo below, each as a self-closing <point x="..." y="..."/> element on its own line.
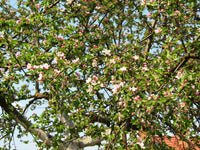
<point x="101" y="65"/>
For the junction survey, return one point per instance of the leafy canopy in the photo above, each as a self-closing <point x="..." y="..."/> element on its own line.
<point x="105" y="69"/>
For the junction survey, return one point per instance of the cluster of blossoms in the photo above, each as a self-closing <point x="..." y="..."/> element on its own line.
<point x="44" y="66"/>
<point x="106" y="52"/>
<point x="136" y="57"/>
<point x="145" y="67"/>
<point x="92" y="82"/>
<point x="179" y="74"/>
<point x="60" y="55"/>
<point x="121" y="103"/>
<point x="116" y="87"/>
<point x="157" y="30"/>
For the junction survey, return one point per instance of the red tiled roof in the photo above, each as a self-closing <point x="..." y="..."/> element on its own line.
<point x="173" y="141"/>
<point x="176" y="143"/>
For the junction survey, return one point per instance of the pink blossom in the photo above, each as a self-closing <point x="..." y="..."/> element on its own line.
<point x="136" y="57"/>
<point x="95" y="77"/>
<point x="18" y="22"/>
<point x="177" y="12"/>
<point x="29" y="66"/>
<point x="137" y="98"/>
<point x="143" y="2"/>
<point x="123" y="69"/>
<point x="122" y="84"/>
<point x="182" y="104"/>
<point x="40" y="76"/>
<point x="157" y="30"/>
<point x="140" y="142"/>
<point x="145" y="68"/>
<point x="193" y="86"/>
<point x="93" y="82"/>
<point x="165" y="93"/>
<point x="61" y="55"/>
<point x="55" y="59"/>
<point x="90" y="89"/>
<point x="35" y="67"/>
<point x="41" y="66"/>
<point x="37" y="5"/>
<point x="179" y="75"/>
<point x="28" y="20"/>
<point x="113" y="80"/>
<point x="56" y="71"/>
<point x="46" y="66"/>
<point x="119" y="116"/>
<point x="115" y="88"/>
<point x="17" y="55"/>
<point x="94" y="63"/>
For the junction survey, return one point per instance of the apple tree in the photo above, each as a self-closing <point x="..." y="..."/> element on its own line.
<point x="104" y="70"/>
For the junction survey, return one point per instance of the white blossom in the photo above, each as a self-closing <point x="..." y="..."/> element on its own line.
<point x="123" y="69"/>
<point x="68" y="2"/>
<point x="136" y="57"/>
<point x="40" y="76"/>
<point x="132" y="89"/>
<point x="29" y="66"/>
<point x="46" y="66"/>
<point x="88" y="80"/>
<point x="76" y="60"/>
<point x="112" y="61"/>
<point x="90" y="88"/>
<point x="107" y="52"/>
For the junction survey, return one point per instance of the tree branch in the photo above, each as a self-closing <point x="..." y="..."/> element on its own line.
<point x="185" y="58"/>
<point x="89" y="141"/>
<point x="19" y="118"/>
<point x="36" y="97"/>
<point x="67" y="122"/>
<point x="149" y="41"/>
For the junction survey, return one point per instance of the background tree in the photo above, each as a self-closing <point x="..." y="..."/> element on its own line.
<point x="103" y="68"/>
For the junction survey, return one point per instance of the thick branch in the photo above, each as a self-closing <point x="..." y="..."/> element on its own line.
<point x="67" y="122"/>
<point x="35" y="97"/>
<point x="19" y="118"/>
<point x="89" y="141"/>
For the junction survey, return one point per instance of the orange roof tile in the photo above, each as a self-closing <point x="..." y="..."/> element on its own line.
<point x="173" y="141"/>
